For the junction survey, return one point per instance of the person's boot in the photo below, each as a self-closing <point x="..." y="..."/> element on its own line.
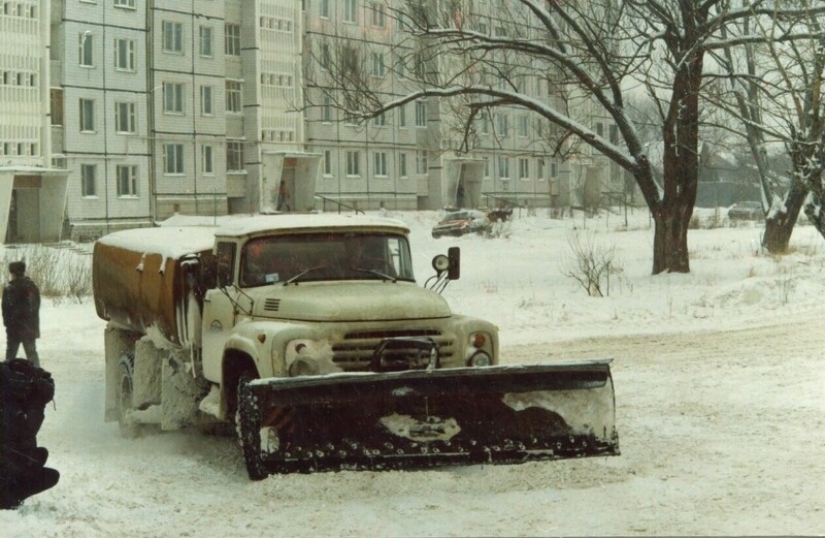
<point x="36" y="481"/>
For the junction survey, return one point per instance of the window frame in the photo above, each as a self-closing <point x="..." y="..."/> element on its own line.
<point x="173" y="98"/>
<point x="86" y="50"/>
<point x="130" y="183"/>
<point x="87" y="123"/>
<point x="206" y="41"/>
<point x="173" y="159"/>
<point x="131" y="117"/>
<point x="130" y="52"/>
<point x="353" y="163"/>
<point x="234" y="97"/>
<point x="207" y="100"/>
<point x="88" y="180"/>
<point x="172" y="37"/>
<point x="232" y="39"/>
<point x="235" y="156"/>
<point x="380" y="163"/>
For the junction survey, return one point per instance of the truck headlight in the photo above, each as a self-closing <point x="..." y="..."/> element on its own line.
<point x="309" y="357"/>
<point x="480" y="359"/>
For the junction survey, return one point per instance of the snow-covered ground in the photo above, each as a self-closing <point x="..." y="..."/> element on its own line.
<point x="720" y="396"/>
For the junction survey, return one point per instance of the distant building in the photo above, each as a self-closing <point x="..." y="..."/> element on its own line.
<point x="30" y="186"/>
<point x="120" y="113"/>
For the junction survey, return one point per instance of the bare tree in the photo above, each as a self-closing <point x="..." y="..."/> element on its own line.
<point x="775" y="94"/>
<point x="592" y="51"/>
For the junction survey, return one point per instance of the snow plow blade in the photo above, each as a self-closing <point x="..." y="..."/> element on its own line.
<point x="415" y="419"/>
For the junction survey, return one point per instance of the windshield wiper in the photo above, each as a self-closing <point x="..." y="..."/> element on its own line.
<point x="302" y="273"/>
<point x="379" y="274"/>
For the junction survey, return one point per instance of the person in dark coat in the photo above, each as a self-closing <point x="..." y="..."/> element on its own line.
<point x="21" y="313"/>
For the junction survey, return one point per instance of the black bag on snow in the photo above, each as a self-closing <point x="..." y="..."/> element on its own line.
<point x="24" y="392"/>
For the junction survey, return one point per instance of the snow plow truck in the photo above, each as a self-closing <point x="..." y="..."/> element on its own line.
<point x="310" y="334"/>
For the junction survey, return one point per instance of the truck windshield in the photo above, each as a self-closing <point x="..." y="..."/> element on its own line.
<point x="325" y="256"/>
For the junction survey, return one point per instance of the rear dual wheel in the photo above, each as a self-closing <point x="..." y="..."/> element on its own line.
<point x="129" y="427"/>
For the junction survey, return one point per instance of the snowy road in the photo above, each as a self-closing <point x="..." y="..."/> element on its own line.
<point x="720" y="394"/>
<point x="722" y="433"/>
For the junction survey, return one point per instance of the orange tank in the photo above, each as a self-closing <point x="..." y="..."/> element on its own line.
<point x="149" y="280"/>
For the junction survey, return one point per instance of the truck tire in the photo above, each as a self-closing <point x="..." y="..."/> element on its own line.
<point x="248" y="420"/>
<point x="129" y="428"/>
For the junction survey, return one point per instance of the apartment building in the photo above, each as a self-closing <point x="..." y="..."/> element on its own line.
<point x="122" y="113"/>
<point x="415" y="156"/>
<point x="30" y="187"/>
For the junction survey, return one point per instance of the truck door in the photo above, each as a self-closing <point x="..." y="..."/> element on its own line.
<point x="219" y="312"/>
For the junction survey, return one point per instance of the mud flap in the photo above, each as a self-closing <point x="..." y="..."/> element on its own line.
<point x="498" y="414"/>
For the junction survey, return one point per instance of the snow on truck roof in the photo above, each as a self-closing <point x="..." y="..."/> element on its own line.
<point x="175" y="238"/>
<point x="262" y="223"/>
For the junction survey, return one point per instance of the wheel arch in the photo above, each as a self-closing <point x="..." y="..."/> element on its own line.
<point x="236" y="364"/>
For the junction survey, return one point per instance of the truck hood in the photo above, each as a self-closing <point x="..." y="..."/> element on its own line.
<point x="349" y="301"/>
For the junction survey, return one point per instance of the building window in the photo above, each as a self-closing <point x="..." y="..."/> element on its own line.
<point x="234" y="156"/>
<point x="233" y="96"/>
<point x="173" y="98"/>
<point x="88" y="180"/>
<point x="325" y="8"/>
<point x="232" y="40"/>
<point x="326" y="56"/>
<point x="522" y="125"/>
<point x="380" y="120"/>
<point x="421" y="163"/>
<point x="56" y="95"/>
<point x="326" y="110"/>
<point x="173" y="158"/>
<point x="327" y="162"/>
<point x="379" y="18"/>
<point x="524" y="168"/>
<point x="86" y="43"/>
<point x="172" y="37"/>
<point x="400" y="67"/>
<point x="350" y="11"/>
<point x="504" y="167"/>
<point x="125" y="118"/>
<point x="420" y="114"/>
<point x="206" y="41"/>
<point x="540" y="170"/>
<point x="380" y="164"/>
<point x="402" y="116"/>
<point x="502" y="124"/>
<point x="125" y="3"/>
<point x="87" y="115"/>
<point x="206" y="101"/>
<point x="353" y="163"/>
<point x="378" y="68"/>
<point x="486" y="167"/>
<point x="402" y="165"/>
<point x="124" y="54"/>
<point x="126" y="180"/>
<point x="207" y="160"/>
<point x="600" y="129"/>
<point x="554" y="169"/>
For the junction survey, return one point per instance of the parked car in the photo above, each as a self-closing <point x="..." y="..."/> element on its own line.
<point x="746" y="211"/>
<point x="463" y="222"/>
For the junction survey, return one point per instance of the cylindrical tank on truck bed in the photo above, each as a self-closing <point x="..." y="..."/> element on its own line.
<point x="145" y="280"/>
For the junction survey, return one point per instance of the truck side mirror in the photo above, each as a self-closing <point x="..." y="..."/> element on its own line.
<point x="454" y="269"/>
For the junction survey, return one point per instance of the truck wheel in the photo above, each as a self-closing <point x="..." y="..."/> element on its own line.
<point x="248" y="421"/>
<point x="129" y="428"/>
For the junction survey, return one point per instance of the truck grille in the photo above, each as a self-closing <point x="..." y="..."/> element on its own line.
<point x="355" y="351"/>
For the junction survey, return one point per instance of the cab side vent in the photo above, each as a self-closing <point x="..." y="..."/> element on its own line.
<point x="272" y="305"/>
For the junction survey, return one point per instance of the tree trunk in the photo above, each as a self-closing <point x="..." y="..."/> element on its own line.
<point x="670" y="247"/>
<point x="779" y="227"/>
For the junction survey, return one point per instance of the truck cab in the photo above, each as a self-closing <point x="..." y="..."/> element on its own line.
<point x="304" y="295"/>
